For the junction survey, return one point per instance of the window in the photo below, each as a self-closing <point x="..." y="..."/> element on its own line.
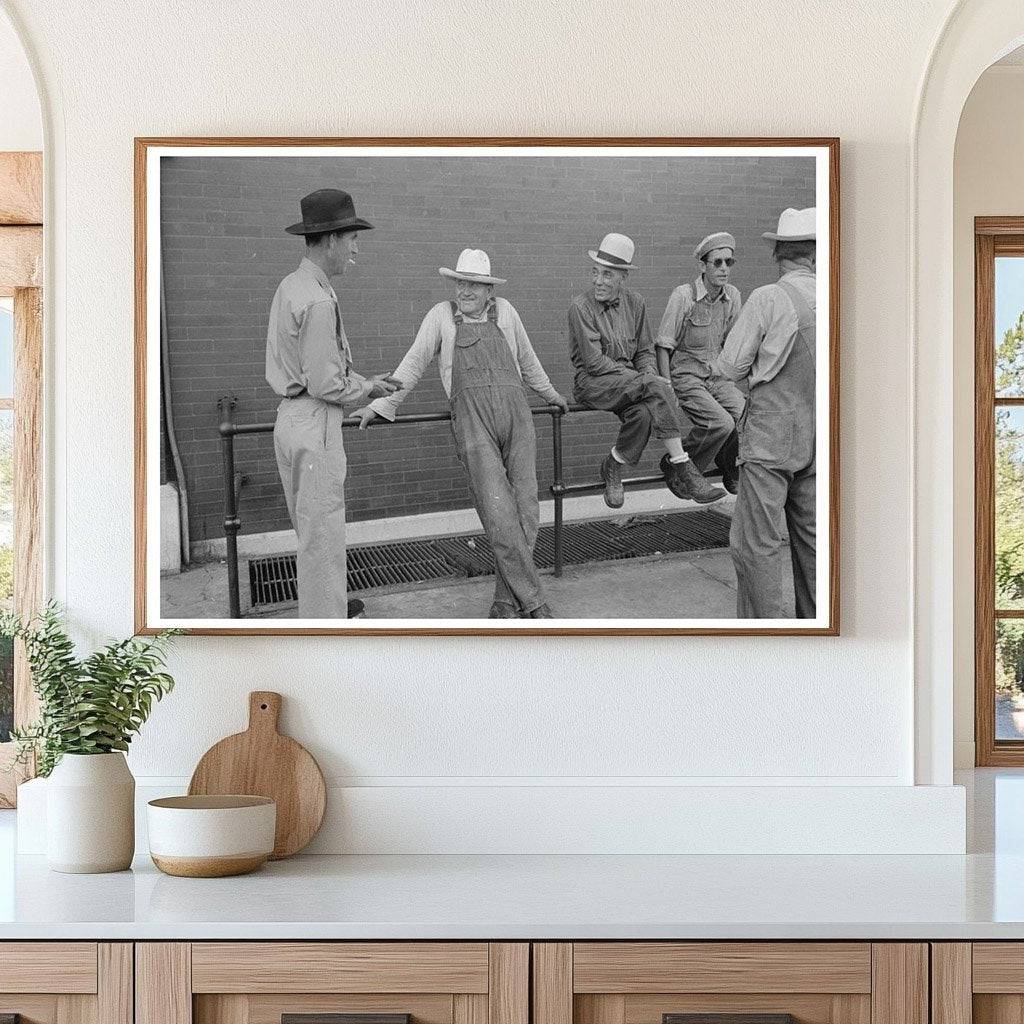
<point x="999" y="491"/>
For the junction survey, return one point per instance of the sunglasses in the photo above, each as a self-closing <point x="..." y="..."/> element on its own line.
<point x="726" y="261"/>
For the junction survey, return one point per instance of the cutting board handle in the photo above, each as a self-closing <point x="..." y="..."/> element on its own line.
<point x="264" y="710"/>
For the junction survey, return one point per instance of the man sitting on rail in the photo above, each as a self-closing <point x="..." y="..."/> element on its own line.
<point x="613" y="354"/>
<point x="484" y="355"/>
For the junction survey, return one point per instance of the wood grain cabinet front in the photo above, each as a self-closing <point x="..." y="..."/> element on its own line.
<point x="66" y="982"/>
<point x="979" y="982"/>
<point x="730" y="983"/>
<point x="332" y="983"/>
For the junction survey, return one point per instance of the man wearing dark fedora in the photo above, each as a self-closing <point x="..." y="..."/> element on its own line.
<point x="773" y="346"/>
<point x="309" y="364"/>
<point x="612" y="352"/>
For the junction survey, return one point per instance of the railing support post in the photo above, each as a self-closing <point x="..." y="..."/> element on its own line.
<point x="232" y="523"/>
<point x="558" y="485"/>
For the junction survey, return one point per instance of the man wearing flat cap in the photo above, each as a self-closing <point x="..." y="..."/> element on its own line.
<point x="613" y="357"/>
<point x="773" y="346"/>
<point x="309" y="364"/>
<point x="484" y="357"/>
<point x="697" y="318"/>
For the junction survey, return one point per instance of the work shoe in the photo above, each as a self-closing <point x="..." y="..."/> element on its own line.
<point x="543" y="612"/>
<point x="355" y="608"/>
<point x="501" y="610"/>
<point x="686" y="481"/>
<point x="611" y="474"/>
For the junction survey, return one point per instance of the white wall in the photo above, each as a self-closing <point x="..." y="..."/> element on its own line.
<point x="447" y="713"/>
<point x="988" y="181"/>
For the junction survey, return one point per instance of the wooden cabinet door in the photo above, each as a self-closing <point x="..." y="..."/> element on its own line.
<point x="980" y="982"/>
<point x="651" y="982"/>
<point x="262" y="982"/>
<point x="66" y="982"/>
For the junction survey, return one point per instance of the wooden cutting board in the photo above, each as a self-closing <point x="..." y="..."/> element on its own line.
<point x="262" y="762"/>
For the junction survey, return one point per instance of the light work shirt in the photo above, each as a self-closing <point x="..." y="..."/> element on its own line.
<point x="762" y="338"/>
<point x="307" y="351"/>
<point x="436" y="340"/>
<point x="721" y="315"/>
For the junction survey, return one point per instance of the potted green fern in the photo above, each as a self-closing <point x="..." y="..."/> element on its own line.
<point x="89" y="710"/>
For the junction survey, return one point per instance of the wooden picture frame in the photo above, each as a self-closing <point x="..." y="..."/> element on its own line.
<point x="150" y="617"/>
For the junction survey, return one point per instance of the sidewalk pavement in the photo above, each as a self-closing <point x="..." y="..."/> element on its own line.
<point x="692" y="585"/>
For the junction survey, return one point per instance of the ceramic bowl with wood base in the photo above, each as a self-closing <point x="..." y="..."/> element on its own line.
<point x="211" y="836"/>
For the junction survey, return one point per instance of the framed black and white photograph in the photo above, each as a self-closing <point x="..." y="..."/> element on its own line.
<point x="487" y="386"/>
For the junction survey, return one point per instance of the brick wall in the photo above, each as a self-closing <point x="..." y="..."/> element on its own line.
<point x="225" y="250"/>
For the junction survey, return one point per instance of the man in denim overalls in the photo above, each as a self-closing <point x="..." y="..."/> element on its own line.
<point x="697" y="319"/>
<point x="484" y="357"/>
<point x="774" y="346"/>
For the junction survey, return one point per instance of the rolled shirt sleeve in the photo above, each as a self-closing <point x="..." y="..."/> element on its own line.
<point x="529" y="365"/>
<point x="414" y="364"/>
<point x="760" y="341"/>
<point x="680" y="302"/>
<point x="743" y="341"/>
<point x="328" y="376"/>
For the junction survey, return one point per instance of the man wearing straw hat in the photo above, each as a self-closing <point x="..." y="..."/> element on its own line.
<point x="697" y="318"/>
<point x="613" y="355"/>
<point x="484" y="356"/>
<point x="773" y="346"/>
<point x="309" y="364"/>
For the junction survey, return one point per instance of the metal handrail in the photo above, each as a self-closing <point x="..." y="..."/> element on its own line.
<point x="229" y="430"/>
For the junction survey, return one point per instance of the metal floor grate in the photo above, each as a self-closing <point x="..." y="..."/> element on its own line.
<point x="408" y="564"/>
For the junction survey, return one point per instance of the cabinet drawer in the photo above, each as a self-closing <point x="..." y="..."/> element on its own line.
<point x="752" y="982"/>
<point x="66" y="982"/>
<point x="635" y="967"/>
<point x="980" y="982"/>
<point x="48" y="967"/>
<point x="259" y="982"/>
<point x="340" y="967"/>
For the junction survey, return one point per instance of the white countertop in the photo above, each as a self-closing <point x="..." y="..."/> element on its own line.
<point x="977" y="896"/>
<point x="532" y="897"/>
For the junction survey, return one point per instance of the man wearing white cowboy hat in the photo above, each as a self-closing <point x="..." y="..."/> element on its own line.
<point x="309" y="364"/>
<point x="697" y="318"/>
<point x="773" y="346"/>
<point x="613" y="356"/>
<point x="484" y="356"/>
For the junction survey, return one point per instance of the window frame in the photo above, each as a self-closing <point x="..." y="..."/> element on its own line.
<point x="993" y="237"/>
<point x="21" y="270"/>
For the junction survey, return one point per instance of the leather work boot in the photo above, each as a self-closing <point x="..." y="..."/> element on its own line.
<point x="501" y="610"/>
<point x="611" y="474"/>
<point x="686" y="481"/>
<point x="543" y="612"/>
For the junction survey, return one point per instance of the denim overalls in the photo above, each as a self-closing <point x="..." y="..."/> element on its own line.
<point x="778" y="478"/>
<point x="496" y="442"/>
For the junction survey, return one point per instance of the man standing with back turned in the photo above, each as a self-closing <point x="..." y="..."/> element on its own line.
<point x="309" y="364"/>
<point x="773" y="345"/>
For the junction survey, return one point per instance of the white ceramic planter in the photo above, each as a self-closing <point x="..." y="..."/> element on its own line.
<point x="90" y="814"/>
